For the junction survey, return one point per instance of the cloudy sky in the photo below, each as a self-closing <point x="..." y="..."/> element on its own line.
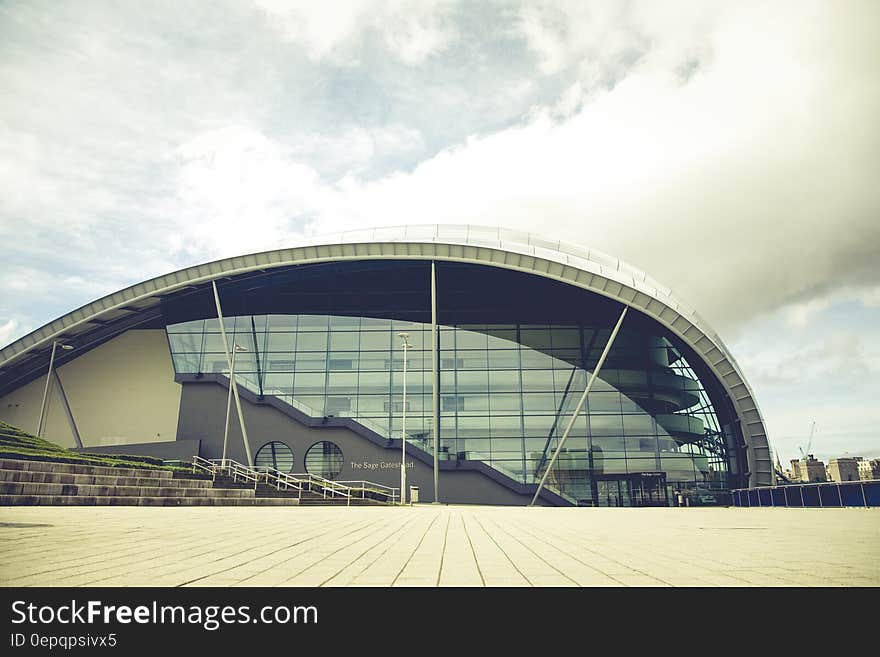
<point x="730" y="149"/>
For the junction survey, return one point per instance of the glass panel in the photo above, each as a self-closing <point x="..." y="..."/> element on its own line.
<point x="536" y="338"/>
<point x="324" y="459"/>
<point x="309" y="383"/>
<point x="472" y="381"/>
<point x="344" y="323"/>
<point x="284" y="323"/>
<point x="344" y="341"/>
<point x="506" y="426"/>
<point x="470" y="340"/>
<point x="275" y="455"/>
<point x="375" y="341"/>
<point x="310" y="362"/>
<point x="538" y="381"/>
<point x="503" y="381"/>
<point x="501" y="402"/>
<point x="341" y="382"/>
<point x="281" y="341"/>
<point x="503" y="360"/>
<point x="638" y="425"/>
<point x="542" y="402"/>
<point x="604" y="402"/>
<point x="316" y="341"/>
<point x="196" y="326"/>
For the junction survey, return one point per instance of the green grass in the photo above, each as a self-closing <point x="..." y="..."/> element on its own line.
<point x="18" y="444"/>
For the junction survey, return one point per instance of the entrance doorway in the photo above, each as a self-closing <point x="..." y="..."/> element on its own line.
<point x="634" y="489"/>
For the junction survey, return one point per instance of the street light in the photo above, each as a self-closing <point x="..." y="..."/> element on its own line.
<point x="406" y="346"/>
<point x="237" y="349"/>
<point x="66" y="347"/>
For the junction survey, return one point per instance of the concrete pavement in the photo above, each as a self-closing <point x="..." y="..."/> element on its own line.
<point x="437" y="546"/>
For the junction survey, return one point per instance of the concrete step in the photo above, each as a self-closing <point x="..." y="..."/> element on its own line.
<point x="35" y="488"/>
<point x="71" y="468"/>
<point x="98" y="480"/>
<point x="111" y="500"/>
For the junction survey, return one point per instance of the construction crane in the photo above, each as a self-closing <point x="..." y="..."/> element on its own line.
<point x="806" y="452"/>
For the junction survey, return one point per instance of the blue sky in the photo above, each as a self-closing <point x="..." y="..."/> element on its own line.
<point x="729" y="149"/>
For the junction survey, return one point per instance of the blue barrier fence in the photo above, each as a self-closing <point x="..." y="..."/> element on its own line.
<point x="831" y="494"/>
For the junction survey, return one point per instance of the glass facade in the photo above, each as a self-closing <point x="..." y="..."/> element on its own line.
<point x="507" y="391"/>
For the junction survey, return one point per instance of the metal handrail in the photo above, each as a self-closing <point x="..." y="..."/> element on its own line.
<point x="298" y="481"/>
<point x="390" y="493"/>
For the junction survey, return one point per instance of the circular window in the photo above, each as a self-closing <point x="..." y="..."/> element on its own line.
<point x="324" y="459"/>
<point x="275" y="455"/>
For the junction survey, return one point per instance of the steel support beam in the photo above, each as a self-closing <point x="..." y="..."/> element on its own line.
<point x="580" y="404"/>
<point x="244" y="436"/>
<point x="66" y="404"/>
<point x="435" y="380"/>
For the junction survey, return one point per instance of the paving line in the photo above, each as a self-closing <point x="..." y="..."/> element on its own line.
<point x="540" y="558"/>
<point x="473" y="551"/>
<point x="580" y="544"/>
<point x="504" y="552"/>
<point x="286" y="547"/>
<point x="381" y="554"/>
<point x="327" y="556"/>
<point x="415" y="549"/>
<point x="443" y="550"/>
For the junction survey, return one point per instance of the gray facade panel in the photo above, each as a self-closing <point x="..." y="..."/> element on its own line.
<point x="202" y="408"/>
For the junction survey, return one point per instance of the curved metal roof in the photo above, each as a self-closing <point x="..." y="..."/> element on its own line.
<point x="582" y="267"/>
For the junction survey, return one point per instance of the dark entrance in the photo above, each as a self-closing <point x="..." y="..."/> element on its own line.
<point x="634" y="489"/>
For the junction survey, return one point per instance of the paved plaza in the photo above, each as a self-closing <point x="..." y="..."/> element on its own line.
<point x="436" y="545"/>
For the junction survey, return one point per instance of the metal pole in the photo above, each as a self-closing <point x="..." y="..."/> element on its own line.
<point x="580" y="404"/>
<point x="244" y="436"/>
<point x="435" y="356"/>
<point x="46" y="391"/>
<point x="403" y="435"/>
<point x="76" y="437"/>
<point x="228" y="403"/>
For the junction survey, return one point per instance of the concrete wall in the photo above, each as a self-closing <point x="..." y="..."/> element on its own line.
<point x="202" y="413"/>
<point x="121" y="392"/>
<point x="182" y="450"/>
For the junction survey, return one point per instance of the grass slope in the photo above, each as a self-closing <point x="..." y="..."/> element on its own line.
<point x="18" y="444"/>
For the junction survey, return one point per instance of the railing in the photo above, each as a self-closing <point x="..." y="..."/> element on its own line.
<point x="360" y="490"/>
<point x="864" y="493"/>
<point x="305" y="482"/>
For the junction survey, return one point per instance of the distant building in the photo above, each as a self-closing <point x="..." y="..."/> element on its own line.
<point x="869" y="469"/>
<point x="811" y="469"/>
<point x="844" y="468"/>
<point x="794" y="473"/>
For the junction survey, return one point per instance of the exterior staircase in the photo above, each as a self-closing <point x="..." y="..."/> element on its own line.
<point x="306" y="488"/>
<point x="31" y="483"/>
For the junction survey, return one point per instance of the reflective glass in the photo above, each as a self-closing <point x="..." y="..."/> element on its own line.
<point x="507" y="393"/>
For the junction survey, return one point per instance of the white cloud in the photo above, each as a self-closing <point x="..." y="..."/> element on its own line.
<point x="8" y="331"/>
<point x="412" y="30"/>
<point x="800" y="314"/>
<point x="747" y="186"/>
<point x="235" y="189"/>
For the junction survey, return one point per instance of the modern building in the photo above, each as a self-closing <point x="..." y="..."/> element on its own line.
<point x="843" y="469"/>
<point x="869" y="469"/>
<point x="505" y="329"/>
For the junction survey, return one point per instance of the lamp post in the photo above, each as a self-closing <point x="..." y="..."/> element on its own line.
<point x="236" y="349"/>
<point x="55" y="344"/>
<point x="406" y="346"/>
